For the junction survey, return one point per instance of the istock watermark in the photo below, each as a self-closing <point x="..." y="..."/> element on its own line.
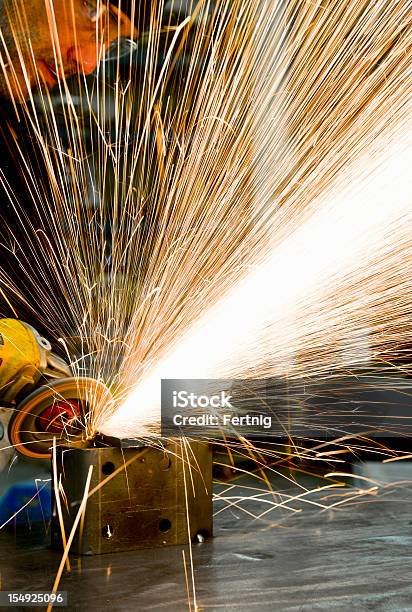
<point x="213" y="408"/>
<point x="209" y="408"/>
<point x="184" y="399"/>
<point x="223" y="420"/>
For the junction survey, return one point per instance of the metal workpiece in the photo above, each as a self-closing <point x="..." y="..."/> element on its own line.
<point x="141" y="497"/>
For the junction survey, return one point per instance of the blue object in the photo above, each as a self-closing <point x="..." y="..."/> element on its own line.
<point x="29" y="501"/>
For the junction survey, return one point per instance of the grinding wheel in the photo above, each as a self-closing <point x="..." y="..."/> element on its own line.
<point x="56" y="410"/>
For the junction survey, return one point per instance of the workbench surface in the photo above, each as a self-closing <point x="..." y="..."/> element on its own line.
<point x="356" y="556"/>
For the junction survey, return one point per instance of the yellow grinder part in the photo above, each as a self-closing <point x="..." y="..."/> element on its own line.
<point x="20" y="358"/>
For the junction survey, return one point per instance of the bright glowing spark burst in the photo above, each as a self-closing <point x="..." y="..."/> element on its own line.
<point x="262" y="324"/>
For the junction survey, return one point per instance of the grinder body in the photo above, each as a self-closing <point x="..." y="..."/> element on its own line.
<point x="37" y="388"/>
<point x="25" y="357"/>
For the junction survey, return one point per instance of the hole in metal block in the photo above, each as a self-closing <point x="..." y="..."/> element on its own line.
<point x="165" y="463"/>
<point x="201" y="536"/>
<point x="107" y="532"/>
<point x="165" y="525"/>
<point x="108" y="468"/>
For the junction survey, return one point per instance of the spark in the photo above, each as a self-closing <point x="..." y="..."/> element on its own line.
<point x="256" y="321"/>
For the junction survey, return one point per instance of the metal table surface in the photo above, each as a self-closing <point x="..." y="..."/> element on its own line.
<point x="357" y="556"/>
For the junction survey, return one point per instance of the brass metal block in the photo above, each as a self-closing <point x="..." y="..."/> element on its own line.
<point x="158" y="497"/>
